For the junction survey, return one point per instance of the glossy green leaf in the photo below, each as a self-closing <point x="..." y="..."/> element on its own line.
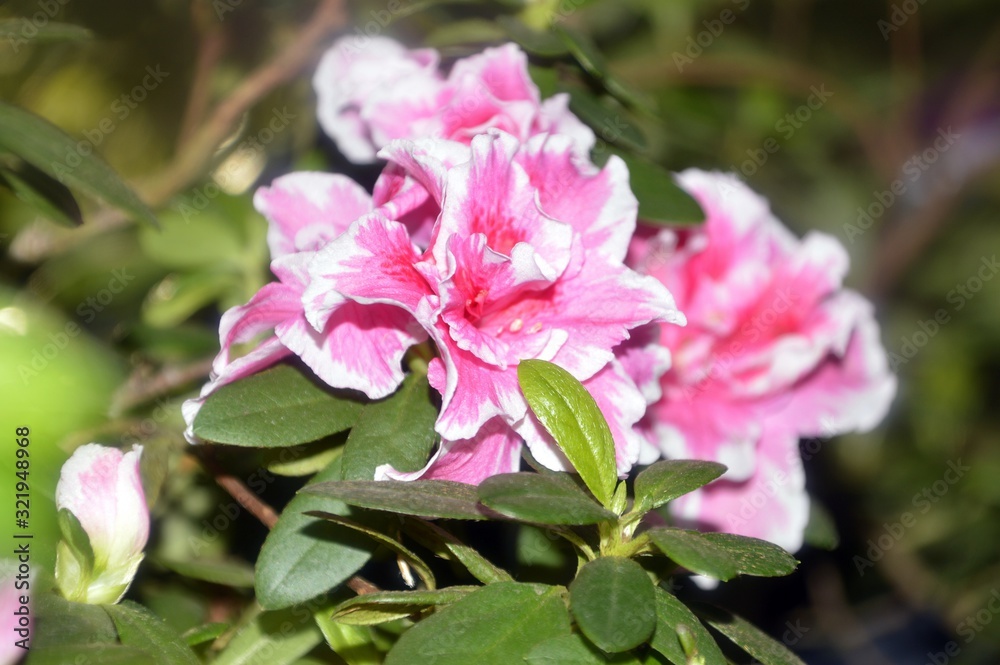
<point x="45" y="194"/>
<point x="422" y="498"/>
<point x="48" y="148"/>
<point x="280" y="406"/>
<point x="661" y="200"/>
<point x="674" y="619"/>
<point x="665" y="481"/>
<point x="208" y="632"/>
<point x="373" y="608"/>
<point x="613" y="602"/>
<point x="422" y="569"/>
<point x="140" y="628"/>
<point x="306" y="556"/>
<point x="447" y="546"/>
<point x="695" y="552"/>
<point x="574" y="650"/>
<point x="570" y="414"/>
<point x="397" y="430"/>
<point x="237" y="574"/>
<point x="541" y="498"/>
<point x="275" y="638"/>
<point x="754" y="556"/>
<point x="764" y="648"/>
<point x="495" y="625"/>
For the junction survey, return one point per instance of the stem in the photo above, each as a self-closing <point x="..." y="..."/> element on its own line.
<point x="196" y="154"/>
<point x="262" y="511"/>
<point x="141" y="390"/>
<point x="579" y="542"/>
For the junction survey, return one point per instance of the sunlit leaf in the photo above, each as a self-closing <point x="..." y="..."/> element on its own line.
<point x="572" y="417"/>
<point x="280" y="406"/>
<point x="668" y="479"/>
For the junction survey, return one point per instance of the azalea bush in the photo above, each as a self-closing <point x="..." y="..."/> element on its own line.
<point x="433" y="336"/>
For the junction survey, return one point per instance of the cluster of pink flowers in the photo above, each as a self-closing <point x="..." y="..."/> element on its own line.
<point x="492" y="235"/>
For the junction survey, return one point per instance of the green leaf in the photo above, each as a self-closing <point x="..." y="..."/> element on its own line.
<point x="422" y="498"/>
<point x="306" y="556"/>
<point x="235" y="574"/>
<point x="535" y="42"/>
<point x="177" y="297"/>
<point x="105" y="654"/>
<point x="45" y="146"/>
<point x="674" y="619"/>
<point x="280" y="406"/>
<point x="76" y="539"/>
<point x="574" y="650"/>
<point x="305" y="459"/>
<point x="695" y="552"/>
<point x="60" y="622"/>
<point x="140" y="628"/>
<point x="398" y="430"/>
<point x="447" y="546"/>
<point x="205" y="633"/>
<point x="748" y="637"/>
<point x="354" y="644"/>
<point x="46" y="195"/>
<point x="384" y="606"/>
<point x="570" y="414"/>
<point x="49" y="31"/>
<point x="586" y="53"/>
<point x="422" y="569"/>
<point x="821" y="531"/>
<point x="495" y="625"/>
<point x="610" y="124"/>
<point x="669" y="479"/>
<point x="543" y="499"/>
<point x="614" y="604"/>
<point x="275" y="638"/>
<point x="754" y="556"/>
<point x="661" y="200"/>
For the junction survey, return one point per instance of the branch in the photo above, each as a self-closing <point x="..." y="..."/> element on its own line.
<point x="194" y="156"/>
<point x="262" y="511"/>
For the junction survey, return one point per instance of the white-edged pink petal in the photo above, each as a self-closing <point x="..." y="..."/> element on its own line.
<point x="493" y="450"/>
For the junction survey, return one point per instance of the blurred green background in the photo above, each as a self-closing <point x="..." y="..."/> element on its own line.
<point x="878" y="123"/>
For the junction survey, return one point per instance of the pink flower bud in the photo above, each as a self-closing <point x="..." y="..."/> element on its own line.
<point x="102" y="488"/>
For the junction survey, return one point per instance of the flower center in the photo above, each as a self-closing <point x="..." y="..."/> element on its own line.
<point x="474" y="306"/>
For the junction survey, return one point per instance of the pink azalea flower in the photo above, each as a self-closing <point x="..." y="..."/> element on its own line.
<point x="372" y="90"/>
<point x="101" y="486"/>
<point x="775" y="349"/>
<point x="304" y="212"/>
<point x="525" y="262"/>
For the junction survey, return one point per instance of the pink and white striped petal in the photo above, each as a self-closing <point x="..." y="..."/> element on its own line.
<point x="305" y="210"/>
